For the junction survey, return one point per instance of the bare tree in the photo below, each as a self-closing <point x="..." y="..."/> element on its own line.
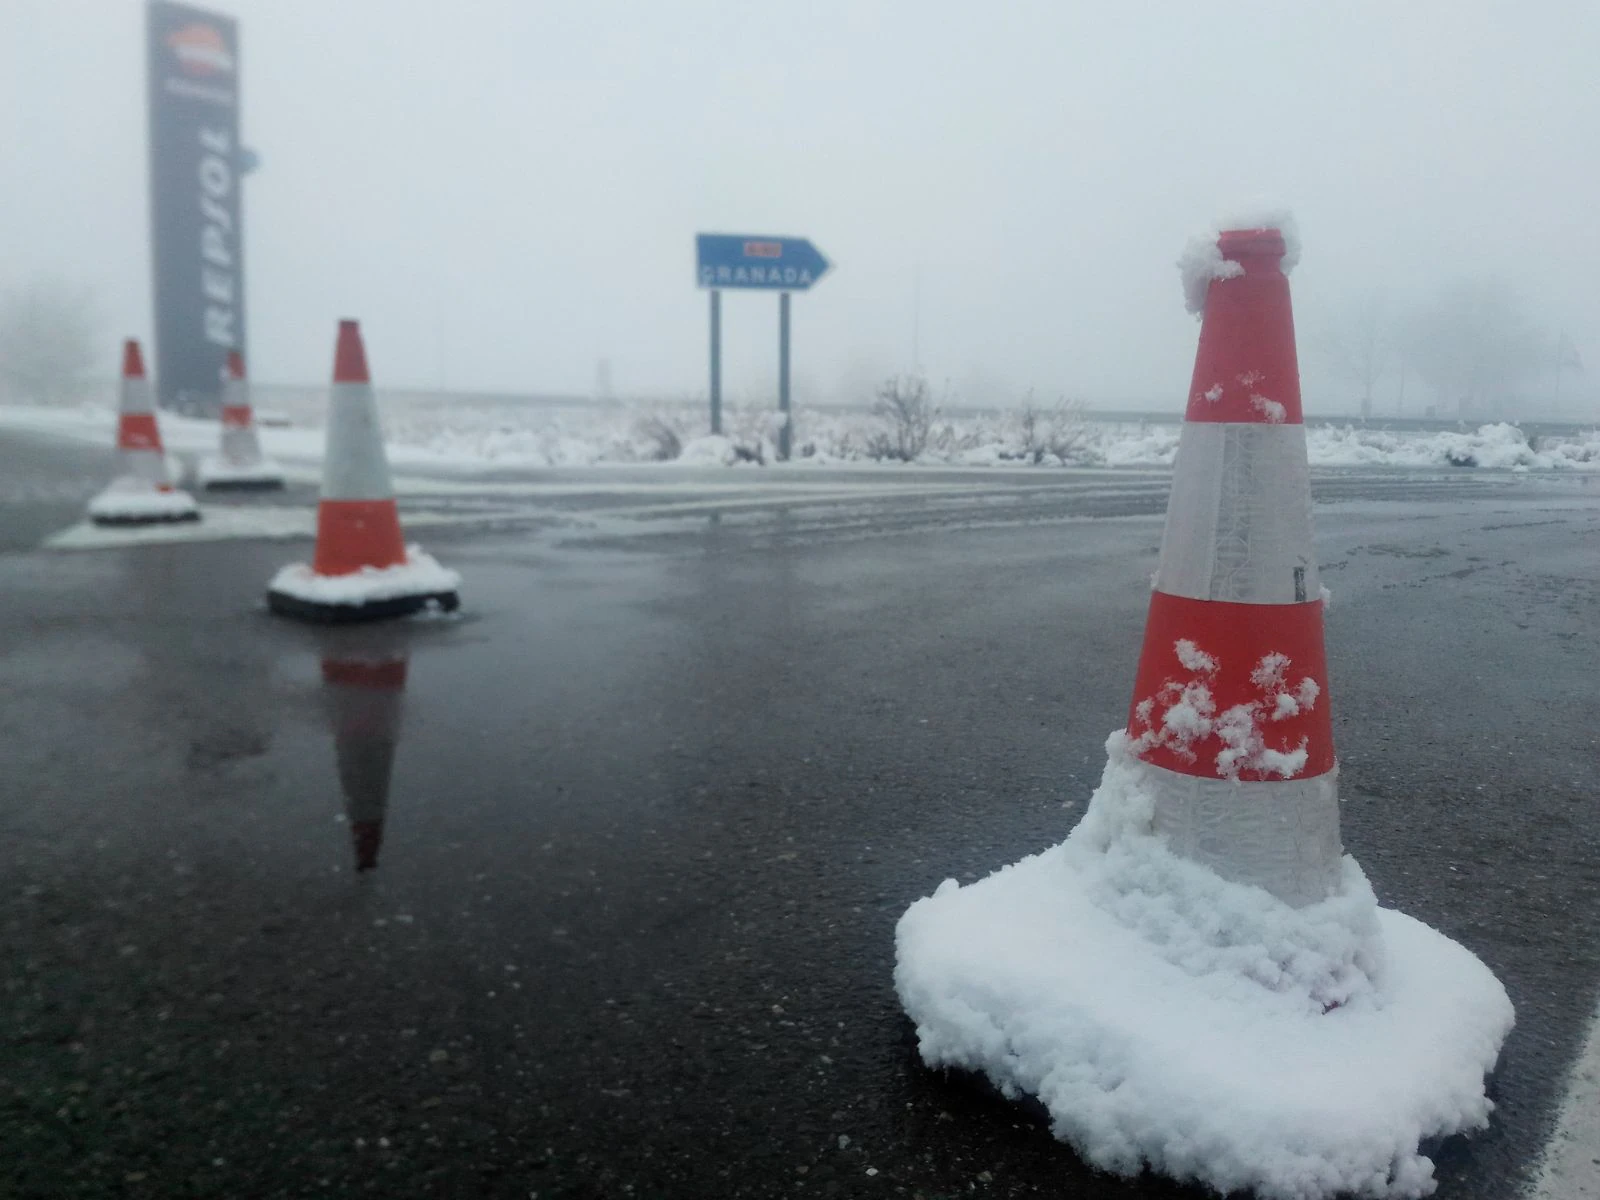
<point x="1474" y="346"/>
<point x="1360" y="345"/>
<point x="904" y="402"/>
<point x="49" y="335"/>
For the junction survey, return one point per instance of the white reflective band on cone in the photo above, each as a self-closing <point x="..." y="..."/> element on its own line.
<point x="147" y="466"/>
<point x="355" y="467"/>
<point x="240" y="445"/>
<point x="1239" y="520"/>
<point x="136" y="396"/>
<point x="1281" y="835"/>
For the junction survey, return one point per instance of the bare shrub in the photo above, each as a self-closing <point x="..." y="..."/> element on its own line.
<point x="661" y="438"/>
<point x="904" y="402"/>
<point x="1059" y="432"/>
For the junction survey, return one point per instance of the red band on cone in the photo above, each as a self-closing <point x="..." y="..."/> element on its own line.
<point x="138" y="431"/>
<point x="235" y="365"/>
<point x="235" y="416"/>
<point x="387" y="676"/>
<point x="352" y="534"/>
<point x="132" y="360"/>
<point x="1245" y="370"/>
<point x="1245" y="704"/>
<point x="350" y="356"/>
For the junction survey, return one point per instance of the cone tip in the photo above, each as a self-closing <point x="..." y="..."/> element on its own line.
<point x="235" y="368"/>
<point x="132" y="360"/>
<point x="350" y="357"/>
<point x="1261" y="240"/>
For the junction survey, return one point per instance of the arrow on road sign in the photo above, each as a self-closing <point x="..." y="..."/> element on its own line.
<point x="773" y="264"/>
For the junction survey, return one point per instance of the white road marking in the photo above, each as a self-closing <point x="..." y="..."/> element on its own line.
<point x="1570" y="1167"/>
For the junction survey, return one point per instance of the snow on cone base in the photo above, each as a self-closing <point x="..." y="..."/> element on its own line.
<point x="131" y="501"/>
<point x="1167" y="1017"/>
<point x="371" y="593"/>
<point x="219" y="475"/>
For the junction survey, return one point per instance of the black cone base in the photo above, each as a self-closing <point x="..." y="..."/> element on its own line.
<point x="286" y="605"/>
<point x="147" y="518"/>
<point x="243" y="485"/>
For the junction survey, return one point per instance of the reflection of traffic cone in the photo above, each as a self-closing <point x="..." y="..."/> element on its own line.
<point x="240" y="465"/>
<point x="142" y="493"/>
<point x="1230" y="706"/>
<point x="362" y="569"/>
<point x="364" y="693"/>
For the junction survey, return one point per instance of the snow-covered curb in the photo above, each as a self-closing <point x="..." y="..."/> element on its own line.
<point x="419" y="575"/>
<point x="1168" y="1018"/>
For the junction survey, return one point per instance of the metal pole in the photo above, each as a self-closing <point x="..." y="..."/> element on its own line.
<point x="716" y="361"/>
<point x="784" y="436"/>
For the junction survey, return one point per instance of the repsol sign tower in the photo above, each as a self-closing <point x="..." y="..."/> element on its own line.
<point x="196" y="240"/>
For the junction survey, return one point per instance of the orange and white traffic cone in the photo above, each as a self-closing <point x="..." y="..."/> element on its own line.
<point x="142" y="493"/>
<point x="1199" y="938"/>
<point x="365" y="692"/>
<point x="362" y="569"/>
<point x="240" y="465"/>
<point x="1230" y="708"/>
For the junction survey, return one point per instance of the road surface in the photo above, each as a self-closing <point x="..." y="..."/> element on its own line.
<point x="651" y="808"/>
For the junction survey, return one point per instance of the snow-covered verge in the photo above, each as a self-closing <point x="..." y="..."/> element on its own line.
<point x="471" y="437"/>
<point x="1168" y="1018"/>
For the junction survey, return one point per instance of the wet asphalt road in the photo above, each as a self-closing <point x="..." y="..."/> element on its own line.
<point x="650" y="811"/>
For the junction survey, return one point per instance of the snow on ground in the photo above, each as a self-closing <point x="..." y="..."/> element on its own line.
<point x="419" y="575"/>
<point x="1169" y="1018"/>
<point x="505" y="435"/>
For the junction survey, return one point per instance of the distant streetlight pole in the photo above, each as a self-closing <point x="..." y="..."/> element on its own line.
<point x="916" y="319"/>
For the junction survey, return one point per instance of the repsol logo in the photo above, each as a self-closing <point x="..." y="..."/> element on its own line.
<point x="219" y="238"/>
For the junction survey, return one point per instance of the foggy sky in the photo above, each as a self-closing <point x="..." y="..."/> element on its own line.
<point x="505" y="191"/>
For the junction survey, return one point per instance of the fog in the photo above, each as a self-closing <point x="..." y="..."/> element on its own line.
<point x="506" y="193"/>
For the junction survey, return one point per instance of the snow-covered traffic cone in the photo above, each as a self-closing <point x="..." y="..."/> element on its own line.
<point x="364" y="689"/>
<point x="240" y="465"/>
<point x="142" y="493"/>
<point x="1230" y="705"/>
<point x="362" y="569"/>
<point x="1196" y="981"/>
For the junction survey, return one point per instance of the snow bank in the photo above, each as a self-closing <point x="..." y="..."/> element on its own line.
<point x="1169" y="1018"/>
<point x="419" y="575"/>
<point x="503" y="436"/>
<point x="713" y="450"/>
<point x="129" y="499"/>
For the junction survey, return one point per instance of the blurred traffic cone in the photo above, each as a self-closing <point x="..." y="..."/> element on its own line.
<point x="365" y="692"/>
<point x="1230" y="707"/>
<point x="142" y="493"/>
<point x="362" y="569"/>
<point x="240" y="465"/>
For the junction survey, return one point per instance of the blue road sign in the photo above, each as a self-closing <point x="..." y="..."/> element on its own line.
<point x="771" y="264"/>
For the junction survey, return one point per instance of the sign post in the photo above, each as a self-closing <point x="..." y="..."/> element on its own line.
<point x="716" y="361"/>
<point x="755" y="263"/>
<point x="784" y="439"/>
